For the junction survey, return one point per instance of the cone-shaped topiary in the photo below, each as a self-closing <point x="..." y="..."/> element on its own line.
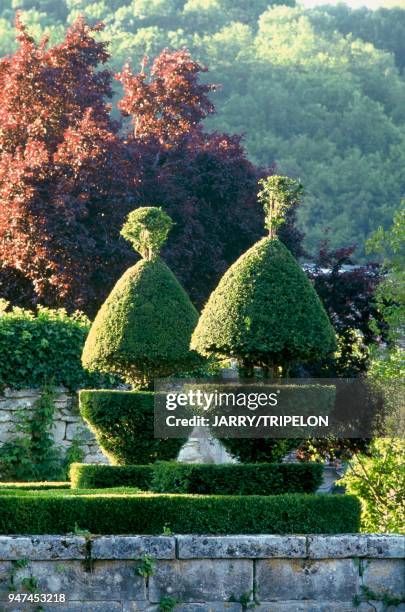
<point x="144" y="327"/>
<point x="264" y="310"/>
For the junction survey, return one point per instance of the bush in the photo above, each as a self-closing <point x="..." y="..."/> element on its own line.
<point x="378" y="480"/>
<point x="143" y="329"/>
<point x="173" y="477"/>
<point x="123" y="422"/>
<point x="86" y="476"/>
<point x="265" y="312"/>
<point x="254" y="479"/>
<point x="60" y="513"/>
<point x="43" y="347"/>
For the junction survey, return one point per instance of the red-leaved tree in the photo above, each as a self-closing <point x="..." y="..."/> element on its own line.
<point x="69" y="175"/>
<point x="64" y="177"/>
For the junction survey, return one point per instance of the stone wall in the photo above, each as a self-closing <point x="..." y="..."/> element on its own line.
<point x="68" y="424"/>
<point x="208" y="573"/>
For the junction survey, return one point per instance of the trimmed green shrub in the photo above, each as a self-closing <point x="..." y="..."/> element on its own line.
<point x="228" y="479"/>
<point x="32" y="486"/>
<point x="265" y="312"/>
<point x="254" y="479"/>
<point x="123" y="423"/>
<point x="43" y="347"/>
<point x="90" y="476"/>
<point x="143" y="329"/>
<point x="104" y="513"/>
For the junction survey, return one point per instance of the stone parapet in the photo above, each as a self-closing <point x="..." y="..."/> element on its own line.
<point x="309" y="573"/>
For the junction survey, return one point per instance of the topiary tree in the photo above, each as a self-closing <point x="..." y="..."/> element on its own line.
<point x="264" y="311"/>
<point x="144" y="327"/>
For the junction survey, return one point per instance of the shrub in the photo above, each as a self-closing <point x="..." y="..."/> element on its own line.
<point x="173" y="477"/>
<point x="43" y="347"/>
<point x="378" y="480"/>
<point x="32" y="486"/>
<point x="87" y="476"/>
<point x="254" y="479"/>
<point x="143" y="329"/>
<point x="265" y="312"/>
<point x="104" y="513"/>
<point x="123" y="422"/>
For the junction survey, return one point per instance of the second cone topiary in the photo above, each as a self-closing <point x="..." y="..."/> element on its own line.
<point x="264" y="311"/>
<point x="143" y="329"/>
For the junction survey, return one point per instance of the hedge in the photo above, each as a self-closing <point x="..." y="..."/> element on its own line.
<point x="173" y="477"/>
<point x="33" y="486"/>
<point x="43" y="347"/>
<point x="248" y="479"/>
<point x="123" y="423"/>
<point x="87" y="476"/>
<point x="44" y="512"/>
<point x="265" y="311"/>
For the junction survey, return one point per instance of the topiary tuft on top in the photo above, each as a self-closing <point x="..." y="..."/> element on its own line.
<point x="264" y="311"/>
<point x="144" y="327"/>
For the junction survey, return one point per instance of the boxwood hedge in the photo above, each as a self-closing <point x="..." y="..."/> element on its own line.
<point x="123" y="423"/>
<point x="173" y="477"/>
<point x="90" y="476"/>
<point x="61" y="513"/>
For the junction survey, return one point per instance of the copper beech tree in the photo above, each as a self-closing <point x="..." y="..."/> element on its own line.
<point x="69" y="173"/>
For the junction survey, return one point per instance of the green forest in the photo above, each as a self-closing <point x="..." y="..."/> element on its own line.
<point x="318" y="94"/>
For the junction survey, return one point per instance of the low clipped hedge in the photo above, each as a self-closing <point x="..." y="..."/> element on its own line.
<point x="248" y="479"/>
<point x="33" y="486"/>
<point x="123" y="423"/>
<point x="87" y="476"/>
<point x="173" y="477"/>
<point x="45" y="512"/>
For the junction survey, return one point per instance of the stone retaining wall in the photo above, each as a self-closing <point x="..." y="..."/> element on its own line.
<point x="208" y="573"/>
<point x="68" y="424"/>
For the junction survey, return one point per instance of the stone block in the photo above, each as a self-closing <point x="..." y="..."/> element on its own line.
<point x="296" y="579"/>
<point x="336" y="547"/>
<point x="58" y="431"/>
<point x="90" y="606"/>
<point x="241" y="546"/>
<point x="386" y="546"/>
<point x="133" y="547"/>
<point x="42" y="547"/>
<point x="107" y="581"/>
<point x="201" y="580"/>
<point x="384" y="576"/>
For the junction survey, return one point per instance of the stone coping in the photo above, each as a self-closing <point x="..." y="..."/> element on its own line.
<point x="69" y="547"/>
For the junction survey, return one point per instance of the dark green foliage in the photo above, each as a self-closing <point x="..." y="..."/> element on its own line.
<point x="89" y="476"/>
<point x="123" y="424"/>
<point x="143" y="329"/>
<point x="265" y="312"/>
<point x="43" y="347"/>
<point x="173" y="477"/>
<point x="104" y="513"/>
<point x="254" y="479"/>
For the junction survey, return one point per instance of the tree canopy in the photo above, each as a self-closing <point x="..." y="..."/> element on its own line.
<point x="319" y="92"/>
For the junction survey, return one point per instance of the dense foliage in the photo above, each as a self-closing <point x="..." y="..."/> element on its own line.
<point x="228" y="479"/>
<point x="43" y="348"/>
<point x="143" y="329"/>
<point x="265" y="312"/>
<point x="68" y="176"/>
<point x="90" y="476"/>
<point x="253" y="479"/>
<point x="377" y="478"/>
<point x="100" y="512"/>
<point x="317" y="91"/>
<point x="123" y="422"/>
